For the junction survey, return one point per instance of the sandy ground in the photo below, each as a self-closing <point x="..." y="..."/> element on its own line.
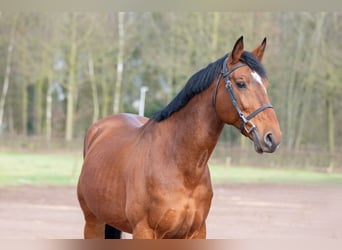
<point x="239" y="211"/>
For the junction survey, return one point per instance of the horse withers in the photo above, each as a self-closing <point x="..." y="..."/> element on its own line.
<point x="150" y="177"/>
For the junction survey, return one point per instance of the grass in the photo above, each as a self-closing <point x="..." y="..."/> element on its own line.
<point x="63" y="169"/>
<point x="39" y="169"/>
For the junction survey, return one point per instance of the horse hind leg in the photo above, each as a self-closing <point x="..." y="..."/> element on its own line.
<point x="112" y="232"/>
<point x="93" y="228"/>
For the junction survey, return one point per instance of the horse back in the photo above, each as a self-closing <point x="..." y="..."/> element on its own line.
<point x="111" y="126"/>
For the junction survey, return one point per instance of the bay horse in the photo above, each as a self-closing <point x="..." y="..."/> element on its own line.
<point x="150" y="177"/>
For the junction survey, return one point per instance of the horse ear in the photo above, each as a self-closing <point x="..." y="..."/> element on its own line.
<point x="259" y="51"/>
<point x="237" y="51"/>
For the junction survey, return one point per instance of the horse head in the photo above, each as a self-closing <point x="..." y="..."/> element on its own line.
<point x="245" y="103"/>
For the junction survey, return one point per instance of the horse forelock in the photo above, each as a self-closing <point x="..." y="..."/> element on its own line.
<point x="252" y="62"/>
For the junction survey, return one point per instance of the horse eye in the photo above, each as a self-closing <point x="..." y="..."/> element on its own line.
<point x="241" y="85"/>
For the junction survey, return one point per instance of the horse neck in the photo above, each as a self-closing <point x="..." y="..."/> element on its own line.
<point x="193" y="131"/>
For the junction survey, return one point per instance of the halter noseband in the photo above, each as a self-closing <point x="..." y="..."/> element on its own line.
<point x="246" y="121"/>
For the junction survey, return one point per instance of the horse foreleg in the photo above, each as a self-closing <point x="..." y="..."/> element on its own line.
<point x="201" y="233"/>
<point x="143" y="231"/>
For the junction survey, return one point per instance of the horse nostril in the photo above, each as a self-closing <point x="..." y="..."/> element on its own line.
<point x="269" y="141"/>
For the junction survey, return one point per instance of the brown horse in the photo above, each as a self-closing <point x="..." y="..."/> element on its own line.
<point x="149" y="177"/>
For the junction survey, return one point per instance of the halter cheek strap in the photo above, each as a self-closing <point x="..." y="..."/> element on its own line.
<point x="246" y="123"/>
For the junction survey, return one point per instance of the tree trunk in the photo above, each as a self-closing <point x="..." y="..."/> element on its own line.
<point x="69" y="122"/>
<point x="104" y="89"/>
<point x="7" y="72"/>
<point x="310" y="79"/>
<point x="48" y="111"/>
<point x="39" y="107"/>
<point x="171" y="62"/>
<point x="214" y="35"/>
<point x="331" y="132"/>
<point x="93" y="88"/>
<point x="24" y="107"/>
<point x="292" y="101"/>
<point x="120" y="63"/>
<point x="24" y="93"/>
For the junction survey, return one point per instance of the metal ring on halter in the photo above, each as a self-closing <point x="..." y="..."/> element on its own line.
<point x="251" y="116"/>
<point x="248" y="130"/>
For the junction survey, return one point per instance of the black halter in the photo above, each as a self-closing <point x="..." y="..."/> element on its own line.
<point x="246" y="121"/>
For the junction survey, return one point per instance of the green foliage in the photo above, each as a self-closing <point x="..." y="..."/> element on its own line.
<point x="161" y="51"/>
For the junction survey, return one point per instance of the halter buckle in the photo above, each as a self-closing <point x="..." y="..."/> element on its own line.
<point x="248" y="127"/>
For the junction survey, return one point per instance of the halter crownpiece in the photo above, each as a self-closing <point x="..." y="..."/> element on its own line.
<point x="247" y="125"/>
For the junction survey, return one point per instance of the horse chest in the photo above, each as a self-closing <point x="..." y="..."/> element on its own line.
<point x="177" y="221"/>
<point x="179" y="213"/>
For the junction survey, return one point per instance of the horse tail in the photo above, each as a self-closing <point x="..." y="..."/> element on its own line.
<point x="112" y="232"/>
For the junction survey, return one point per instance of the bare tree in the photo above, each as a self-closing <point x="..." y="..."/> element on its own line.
<point x="96" y="105"/>
<point x="7" y="71"/>
<point x="120" y="62"/>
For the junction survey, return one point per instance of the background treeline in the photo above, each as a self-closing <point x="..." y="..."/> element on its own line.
<point x="59" y="72"/>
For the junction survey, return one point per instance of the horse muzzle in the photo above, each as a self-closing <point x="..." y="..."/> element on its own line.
<point x="265" y="144"/>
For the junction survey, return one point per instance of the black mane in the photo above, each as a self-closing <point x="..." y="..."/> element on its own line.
<point x="201" y="80"/>
<point x="197" y="83"/>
